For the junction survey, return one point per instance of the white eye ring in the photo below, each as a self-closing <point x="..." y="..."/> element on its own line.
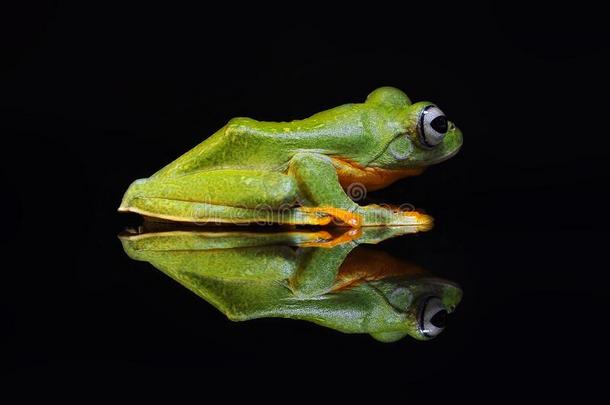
<point x="432" y="317"/>
<point x="432" y="126"/>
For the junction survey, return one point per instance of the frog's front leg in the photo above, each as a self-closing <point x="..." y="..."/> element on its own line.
<point x="317" y="269"/>
<point x="319" y="188"/>
<point x="320" y="191"/>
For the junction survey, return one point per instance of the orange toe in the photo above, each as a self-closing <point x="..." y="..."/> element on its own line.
<point x="347" y="217"/>
<point x="346" y="237"/>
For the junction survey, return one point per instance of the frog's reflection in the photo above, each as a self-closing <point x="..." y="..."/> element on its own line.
<point x="309" y="275"/>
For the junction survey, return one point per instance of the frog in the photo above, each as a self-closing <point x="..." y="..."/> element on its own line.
<point x="299" y="172"/>
<point x="334" y="279"/>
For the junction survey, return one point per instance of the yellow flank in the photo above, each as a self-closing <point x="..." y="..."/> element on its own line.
<point x="373" y="178"/>
<point x="368" y="265"/>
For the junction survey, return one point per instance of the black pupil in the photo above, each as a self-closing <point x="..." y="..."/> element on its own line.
<point x="439" y="124"/>
<point x="439" y="319"/>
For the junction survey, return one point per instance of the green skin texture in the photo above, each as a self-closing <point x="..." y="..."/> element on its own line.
<point x="249" y="164"/>
<point x="248" y="275"/>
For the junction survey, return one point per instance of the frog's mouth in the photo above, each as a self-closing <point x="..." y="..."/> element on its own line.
<point x="444" y="157"/>
<point x="450" y="146"/>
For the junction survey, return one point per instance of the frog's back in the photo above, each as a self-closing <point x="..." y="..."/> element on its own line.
<point x="245" y="143"/>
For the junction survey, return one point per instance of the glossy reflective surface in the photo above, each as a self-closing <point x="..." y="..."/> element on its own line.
<point x="328" y="278"/>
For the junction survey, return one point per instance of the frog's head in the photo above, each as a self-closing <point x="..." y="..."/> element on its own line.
<point x="423" y="303"/>
<point x="421" y="133"/>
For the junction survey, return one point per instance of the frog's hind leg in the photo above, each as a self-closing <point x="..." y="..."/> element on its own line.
<point x="202" y="213"/>
<point x="220" y="196"/>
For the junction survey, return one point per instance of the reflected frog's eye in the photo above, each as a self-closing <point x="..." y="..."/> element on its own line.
<point x="432" y="126"/>
<point x="433" y="317"/>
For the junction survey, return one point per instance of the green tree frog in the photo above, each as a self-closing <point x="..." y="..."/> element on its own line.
<point x="297" y="172"/>
<point x="310" y="275"/>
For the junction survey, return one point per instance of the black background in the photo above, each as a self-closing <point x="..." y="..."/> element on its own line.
<point x="96" y="96"/>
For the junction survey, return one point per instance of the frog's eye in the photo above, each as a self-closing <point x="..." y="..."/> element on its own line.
<point x="432" y="318"/>
<point x="432" y="126"/>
